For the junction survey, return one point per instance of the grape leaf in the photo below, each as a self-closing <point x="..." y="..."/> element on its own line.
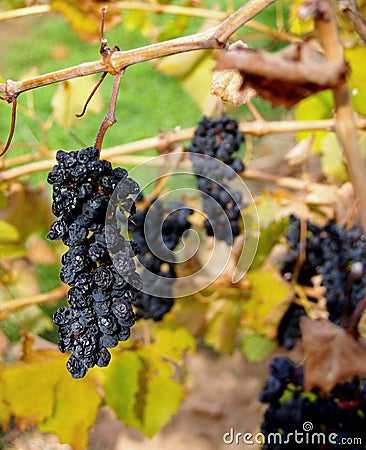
<point x="74" y="412"/>
<point x="70" y="97"/>
<point x="331" y="354"/>
<point x="162" y="401"/>
<point x="356" y="57"/>
<point x="24" y="389"/>
<point x="221" y="331"/>
<point x="85" y="15"/>
<point x="332" y="160"/>
<point x="269" y="300"/>
<point x="315" y="107"/>
<point x="8" y="233"/>
<point x="256" y="347"/>
<point x="171" y="344"/>
<point x="121" y="385"/>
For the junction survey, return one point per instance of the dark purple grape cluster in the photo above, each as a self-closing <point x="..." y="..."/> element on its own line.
<point x="157" y="230"/>
<point x="337" y="254"/>
<point x="332" y="417"/>
<point x="99" y="264"/>
<point x="211" y="152"/>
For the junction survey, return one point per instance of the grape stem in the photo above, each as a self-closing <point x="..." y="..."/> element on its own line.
<point x="110" y="117"/>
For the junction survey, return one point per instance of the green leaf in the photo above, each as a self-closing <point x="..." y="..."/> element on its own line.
<point x="256" y="347"/>
<point x="162" y="401"/>
<point x="74" y="412"/>
<point x="221" y="331"/>
<point x="122" y="384"/>
<point x="315" y="107"/>
<point x="269" y="236"/>
<point x="269" y="300"/>
<point x="8" y="233"/>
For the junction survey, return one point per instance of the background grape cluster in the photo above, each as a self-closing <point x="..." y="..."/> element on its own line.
<point x="99" y="264"/>
<point x="336" y="253"/>
<point x="212" y="147"/>
<point x="158" y="230"/>
<point x="342" y="411"/>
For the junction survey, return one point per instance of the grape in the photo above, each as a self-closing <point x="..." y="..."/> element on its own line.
<point x="82" y="186"/>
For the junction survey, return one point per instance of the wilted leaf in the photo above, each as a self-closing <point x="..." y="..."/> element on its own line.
<point x="269" y="300"/>
<point x="301" y="152"/>
<point x="331" y="354"/>
<point x="70" y="97"/>
<point x="74" y="412"/>
<point x="228" y="84"/>
<point x="256" y="347"/>
<point x="222" y="329"/>
<point x="286" y="77"/>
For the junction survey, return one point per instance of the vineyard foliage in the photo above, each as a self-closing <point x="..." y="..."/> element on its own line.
<point x="305" y="174"/>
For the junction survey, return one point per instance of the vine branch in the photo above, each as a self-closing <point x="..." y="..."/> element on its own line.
<point x="214" y="38"/>
<point x="345" y="127"/>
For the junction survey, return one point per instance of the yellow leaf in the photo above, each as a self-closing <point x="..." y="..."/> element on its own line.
<point x="297" y="25"/>
<point x="270" y="298"/>
<point x="198" y="82"/>
<point x="161" y="402"/>
<point x="77" y="15"/>
<point x="332" y="160"/>
<point x="222" y="329"/>
<point x="74" y="412"/>
<point x="172" y="344"/>
<point x="70" y="97"/>
<point x="5" y="412"/>
<point x="28" y="389"/>
<point x="357" y="79"/>
<point x="8" y="233"/>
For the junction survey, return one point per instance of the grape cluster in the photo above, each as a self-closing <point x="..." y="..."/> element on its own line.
<point x="99" y="264"/>
<point x="337" y="254"/>
<point x="342" y="412"/>
<point x="157" y="232"/>
<point x="211" y="152"/>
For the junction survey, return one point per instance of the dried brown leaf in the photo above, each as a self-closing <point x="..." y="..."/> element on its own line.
<point x="285" y="77"/>
<point x="332" y="355"/>
<point x="228" y="84"/>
